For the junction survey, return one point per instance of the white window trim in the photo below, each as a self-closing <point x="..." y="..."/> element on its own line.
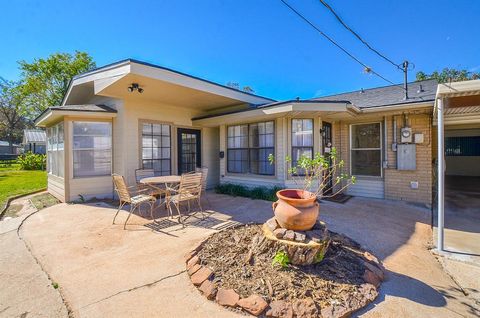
<point x="55" y="152"/>
<point x="380" y="149"/>
<point x="292" y="146"/>
<point x="250" y="174"/>
<point x="173" y="131"/>
<point x="72" y="169"/>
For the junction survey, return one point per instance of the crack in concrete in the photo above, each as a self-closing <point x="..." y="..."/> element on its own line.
<point x="10" y="231"/>
<point x="67" y="305"/>
<point x="135" y="288"/>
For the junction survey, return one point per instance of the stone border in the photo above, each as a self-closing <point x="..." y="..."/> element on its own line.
<point x="201" y="278"/>
<point x="10" y="199"/>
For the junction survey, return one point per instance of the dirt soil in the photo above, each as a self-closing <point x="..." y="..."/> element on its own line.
<point x="336" y="280"/>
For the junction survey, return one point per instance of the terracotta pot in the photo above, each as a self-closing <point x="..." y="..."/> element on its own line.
<point x="296" y="209"/>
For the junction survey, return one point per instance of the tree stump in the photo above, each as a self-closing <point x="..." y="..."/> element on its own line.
<point x="302" y="248"/>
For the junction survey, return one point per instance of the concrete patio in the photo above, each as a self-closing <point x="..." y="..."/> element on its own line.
<point x="103" y="270"/>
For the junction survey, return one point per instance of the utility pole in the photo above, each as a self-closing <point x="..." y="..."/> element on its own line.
<point x="405" y="78"/>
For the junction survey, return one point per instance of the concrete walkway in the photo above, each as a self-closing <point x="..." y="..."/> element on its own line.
<point x="25" y="289"/>
<point x="103" y="270"/>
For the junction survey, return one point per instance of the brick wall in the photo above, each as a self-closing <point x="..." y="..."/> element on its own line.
<point x="396" y="182"/>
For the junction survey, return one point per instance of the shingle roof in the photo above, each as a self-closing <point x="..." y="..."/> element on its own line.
<point x="34" y="135"/>
<point x="85" y="108"/>
<point x="388" y="95"/>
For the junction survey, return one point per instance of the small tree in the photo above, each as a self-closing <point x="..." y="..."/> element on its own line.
<point x="45" y="81"/>
<point x="312" y="175"/>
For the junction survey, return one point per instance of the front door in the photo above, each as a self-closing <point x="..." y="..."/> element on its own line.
<point x="327" y="147"/>
<point x="189" y="150"/>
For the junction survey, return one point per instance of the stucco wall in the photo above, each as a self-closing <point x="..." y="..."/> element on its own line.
<point x="127" y="141"/>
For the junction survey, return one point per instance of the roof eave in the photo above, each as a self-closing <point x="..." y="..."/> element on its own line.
<point x="52" y="115"/>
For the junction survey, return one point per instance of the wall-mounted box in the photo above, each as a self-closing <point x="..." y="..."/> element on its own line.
<point x="406" y="157"/>
<point x="418" y="138"/>
<point x="406" y="135"/>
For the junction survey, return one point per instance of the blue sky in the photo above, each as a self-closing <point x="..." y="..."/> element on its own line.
<point x="257" y="43"/>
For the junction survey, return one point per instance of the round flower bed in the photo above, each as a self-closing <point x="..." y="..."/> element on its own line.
<point x="229" y="268"/>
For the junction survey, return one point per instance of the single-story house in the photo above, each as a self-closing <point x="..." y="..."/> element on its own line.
<point x="131" y="115"/>
<point x="34" y="140"/>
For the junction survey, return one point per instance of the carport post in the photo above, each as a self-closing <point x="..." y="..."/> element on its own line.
<point x="440" y="174"/>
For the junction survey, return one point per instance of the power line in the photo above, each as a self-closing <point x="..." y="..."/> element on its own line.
<point x="358" y="36"/>
<point x="367" y="68"/>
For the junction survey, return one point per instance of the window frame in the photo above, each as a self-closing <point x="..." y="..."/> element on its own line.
<point x="54" y="152"/>
<point x="141" y="135"/>
<point x="72" y="138"/>
<point x="366" y="149"/>
<point x="250" y="147"/>
<point x="292" y="147"/>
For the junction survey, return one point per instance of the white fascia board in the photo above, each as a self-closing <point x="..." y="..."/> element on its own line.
<point x="55" y="115"/>
<point x="306" y="107"/>
<point x="113" y="71"/>
<point x="396" y="107"/>
<point x="458" y="88"/>
<point x="195" y="83"/>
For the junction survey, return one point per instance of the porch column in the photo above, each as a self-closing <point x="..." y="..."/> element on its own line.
<point x="440" y="175"/>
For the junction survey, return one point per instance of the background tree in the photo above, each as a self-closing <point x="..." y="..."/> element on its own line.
<point x="12" y="121"/>
<point x="236" y="85"/>
<point x="448" y="75"/>
<point x="44" y="82"/>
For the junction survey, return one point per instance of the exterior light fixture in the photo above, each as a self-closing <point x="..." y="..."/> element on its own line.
<point x="135" y="87"/>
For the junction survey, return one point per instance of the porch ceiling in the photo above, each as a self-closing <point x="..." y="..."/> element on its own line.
<point x="164" y="92"/>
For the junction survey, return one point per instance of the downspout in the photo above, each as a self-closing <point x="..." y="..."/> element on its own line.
<point x="385" y="143"/>
<point x="394" y="144"/>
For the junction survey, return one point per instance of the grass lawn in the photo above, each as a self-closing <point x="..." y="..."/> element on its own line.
<point x="15" y="182"/>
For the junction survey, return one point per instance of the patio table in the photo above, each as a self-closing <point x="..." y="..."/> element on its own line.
<point x="168" y="181"/>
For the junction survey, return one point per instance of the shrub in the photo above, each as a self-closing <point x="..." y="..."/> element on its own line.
<point x="32" y="161"/>
<point x="257" y="193"/>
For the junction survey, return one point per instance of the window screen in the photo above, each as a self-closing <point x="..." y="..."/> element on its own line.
<point x="92" y="149"/>
<point x="366" y="150"/>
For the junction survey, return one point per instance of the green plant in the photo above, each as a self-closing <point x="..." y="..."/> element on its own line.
<point x="32" y="161"/>
<point x="281" y="258"/>
<point x="312" y="175"/>
<point x="257" y="193"/>
<point x="55" y="285"/>
<point x="319" y="257"/>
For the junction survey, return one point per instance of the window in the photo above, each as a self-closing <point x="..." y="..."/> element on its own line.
<point x="92" y="149"/>
<point x="55" y="150"/>
<point x="366" y="149"/>
<point x="156" y="149"/>
<point x="248" y="148"/>
<point x="302" y="140"/>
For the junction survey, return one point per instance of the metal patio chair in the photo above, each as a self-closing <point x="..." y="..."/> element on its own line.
<point x="132" y="196"/>
<point x="189" y="190"/>
<point x="152" y="190"/>
<point x="204" y="171"/>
